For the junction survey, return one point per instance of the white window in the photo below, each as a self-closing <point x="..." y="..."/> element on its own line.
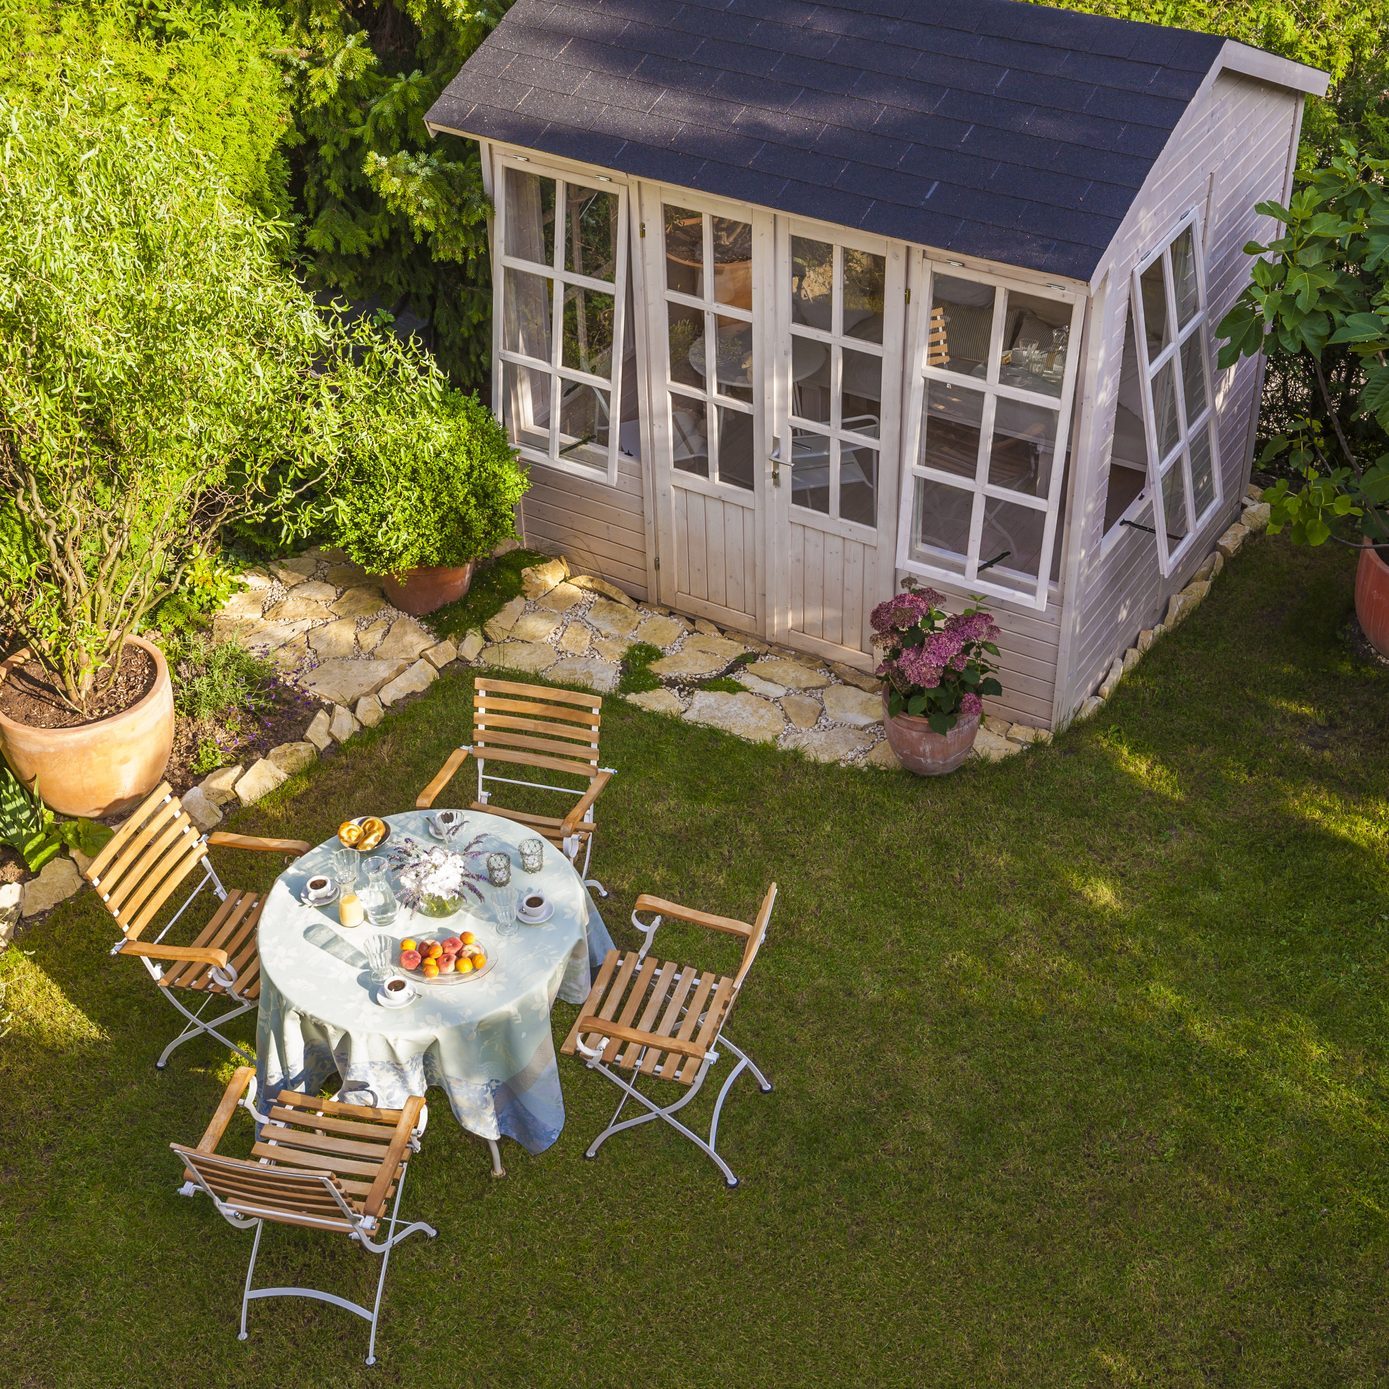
<point x="1172" y="341"/>
<point x="568" y="380"/>
<point x="996" y="364"/>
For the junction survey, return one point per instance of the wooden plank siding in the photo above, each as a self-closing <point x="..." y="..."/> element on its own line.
<point x="1233" y="149"/>
<point x="601" y="529"/>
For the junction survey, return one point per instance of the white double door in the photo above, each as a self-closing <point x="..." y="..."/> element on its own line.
<point x="774" y="374"/>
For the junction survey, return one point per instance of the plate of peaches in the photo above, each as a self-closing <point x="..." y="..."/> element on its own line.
<point x="443" y="959"/>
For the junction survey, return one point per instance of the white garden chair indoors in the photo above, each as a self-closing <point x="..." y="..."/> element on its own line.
<point x="647" y="1019"/>
<point x="316" y="1163"/>
<point x="154" y="854"/>
<point x="521" y="725"/>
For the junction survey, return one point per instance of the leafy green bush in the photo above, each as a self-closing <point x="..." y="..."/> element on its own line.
<point x="428" y="477"/>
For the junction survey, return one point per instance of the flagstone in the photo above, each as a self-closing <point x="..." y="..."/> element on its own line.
<point x="846" y="704"/>
<point x="795" y="675"/>
<point x="360" y="602"/>
<point x="803" y="711"/>
<point x="747" y="715"/>
<point x="827" y="744"/>
<point x="612" y="619"/>
<point x="584" y="670"/>
<point x="529" y="656"/>
<point x="346" y="681"/>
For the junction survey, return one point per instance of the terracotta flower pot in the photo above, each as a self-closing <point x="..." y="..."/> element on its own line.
<point x="422" y="590"/>
<point x="99" y="768"/>
<point x="1372" y="597"/>
<point x="921" y="750"/>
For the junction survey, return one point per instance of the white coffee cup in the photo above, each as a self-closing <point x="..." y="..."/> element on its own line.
<point x="533" y="904"/>
<point x="318" y="888"/>
<point x="397" y="989"/>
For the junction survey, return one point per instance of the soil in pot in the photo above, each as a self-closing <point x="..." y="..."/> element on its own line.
<point x="28" y="694"/>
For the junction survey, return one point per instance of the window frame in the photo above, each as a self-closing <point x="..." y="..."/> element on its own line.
<point x="991" y="389"/>
<point x="1169" y="555"/>
<point x="604" y="463"/>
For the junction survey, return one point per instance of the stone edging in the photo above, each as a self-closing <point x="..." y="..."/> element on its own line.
<point x="1253" y="519"/>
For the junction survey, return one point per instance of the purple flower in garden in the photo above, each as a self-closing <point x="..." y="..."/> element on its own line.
<point x="970" y="704"/>
<point x="942" y="647"/>
<point x="978" y="626"/>
<point x="918" y="668"/>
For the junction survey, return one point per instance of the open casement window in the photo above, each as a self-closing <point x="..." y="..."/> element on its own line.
<point x="569" y="383"/>
<point x="1172" y="342"/>
<point x="995" y="366"/>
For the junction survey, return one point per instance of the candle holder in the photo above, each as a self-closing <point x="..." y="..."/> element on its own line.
<point x="499" y="869"/>
<point x="532" y="855"/>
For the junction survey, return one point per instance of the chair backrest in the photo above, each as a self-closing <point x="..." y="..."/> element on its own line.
<point x="937" y="348"/>
<point x="146" y="859"/>
<point x="755" y="937"/>
<point x="536" y="726"/>
<point x="254" y="1191"/>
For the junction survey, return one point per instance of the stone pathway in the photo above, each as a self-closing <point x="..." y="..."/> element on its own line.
<point x="328" y="628"/>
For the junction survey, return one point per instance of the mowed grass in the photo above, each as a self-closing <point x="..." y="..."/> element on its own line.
<point x="1080" y="1070"/>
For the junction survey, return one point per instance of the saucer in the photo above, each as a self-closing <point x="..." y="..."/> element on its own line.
<point x="326" y="900"/>
<point x="541" y="917"/>
<point x="383" y="1000"/>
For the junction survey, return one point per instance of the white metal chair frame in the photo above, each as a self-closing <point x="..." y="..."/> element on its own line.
<point x="154" y="954"/>
<point x="579" y="817"/>
<point x="364" y="1229"/>
<point x="594" y="1057"/>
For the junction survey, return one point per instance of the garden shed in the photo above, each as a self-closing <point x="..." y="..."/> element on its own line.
<point x="795" y="298"/>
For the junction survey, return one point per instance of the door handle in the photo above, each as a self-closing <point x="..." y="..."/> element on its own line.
<point x="778" y="463"/>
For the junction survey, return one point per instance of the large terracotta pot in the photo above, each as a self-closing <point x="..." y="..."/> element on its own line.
<point x="1372" y="597"/>
<point x="923" y="751"/>
<point x="99" y="768"/>
<point x="422" y="590"/>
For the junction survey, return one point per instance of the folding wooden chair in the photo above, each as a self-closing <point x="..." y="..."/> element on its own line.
<point x="535" y="726"/>
<point x="317" y="1163"/>
<point x="650" y="1018"/>
<point x="149" y="858"/>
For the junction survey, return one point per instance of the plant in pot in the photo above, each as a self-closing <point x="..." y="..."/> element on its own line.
<point x="936" y="669"/>
<point x="1319" y="303"/>
<point x="429" y="484"/>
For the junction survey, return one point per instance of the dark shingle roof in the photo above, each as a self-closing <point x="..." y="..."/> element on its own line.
<point x="991" y="128"/>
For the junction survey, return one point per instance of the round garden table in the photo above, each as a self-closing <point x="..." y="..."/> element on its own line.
<point x="486" y="1042"/>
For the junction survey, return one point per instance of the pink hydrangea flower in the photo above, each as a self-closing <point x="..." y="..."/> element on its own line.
<point x="970" y="704"/>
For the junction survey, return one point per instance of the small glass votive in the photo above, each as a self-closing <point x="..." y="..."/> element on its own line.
<point x="499" y="869"/>
<point x="532" y="854"/>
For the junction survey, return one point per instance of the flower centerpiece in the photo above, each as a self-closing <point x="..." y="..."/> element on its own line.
<point x="436" y="881"/>
<point x="936" y="667"/>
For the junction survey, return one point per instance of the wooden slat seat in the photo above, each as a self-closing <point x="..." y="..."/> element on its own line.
<point x="232" y="929"/>
<point x="550" y="826"/>
<point x="661" y="1001"/>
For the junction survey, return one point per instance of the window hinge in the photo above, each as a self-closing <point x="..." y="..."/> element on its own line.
<point x="641" y="230"/>
<point x="656" y="564"/>
<point x="909" y="295"/>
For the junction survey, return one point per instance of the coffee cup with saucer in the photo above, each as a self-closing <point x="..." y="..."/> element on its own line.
<point x="395" y="992"/>
<point x="535" y="908"/>
<point x="320" y="890"/>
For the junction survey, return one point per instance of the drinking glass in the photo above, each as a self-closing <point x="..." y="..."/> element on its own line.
<point x="380" y="898"/>
<point x="381" y="957"/>
<point x="503" y="901"/>
<point x="347" y="868"/>
<point x="532" y="854"/>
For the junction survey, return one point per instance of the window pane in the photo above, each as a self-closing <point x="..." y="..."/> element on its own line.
<point x="732" y="262"/>
<point x="734" y="362"/>
<point x="960" y="324"/>
<point x="1154" y="308"/>
<point x="526" y="302"/>
<point x="1012" y="539"/>
<point x="526" y="393"/>
<point x="862" y="391"/>
<point x="812" y="283"/>
<point x="1169" y="429"/>
<point x="686" y="345"/>
<point x="1128" y="460"/>
<point x="530" y="216"/>
<point x="1023" y="447"/>
<point x="1174" y="504"/>
<point x="584" y="412"/>
<point x="735" y="451"/>
<point x="1035" y="339"/>
<point x="812" y="454"/>
<point x="1202" y="470"/>
<point x="684" y="231"/>
<point x="858" y="484"/>
<point x="1184" y="276"/>
<point x="1193" y="376"/>
<point x="589" y="321"/>
<point x="590" y="241"/>
<point x="689" y="435"/>
<point x="950" y="428"/>
<point x="940" y="525"/>
<point x="865" y="277"/>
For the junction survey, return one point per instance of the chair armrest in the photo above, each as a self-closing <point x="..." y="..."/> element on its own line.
<point x="619" y="1032"/>
<point x="225" y="839"/>
<point x="242" y="1078"/>
<point x="584" y="804"/>
<point x="400" y="1146"/>
<point x="662" y="907"/>
<point x="447" y="772"/>
<point x="209" y="955"/>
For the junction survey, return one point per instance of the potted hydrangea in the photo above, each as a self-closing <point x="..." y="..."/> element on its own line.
<point x="935" y="670"/>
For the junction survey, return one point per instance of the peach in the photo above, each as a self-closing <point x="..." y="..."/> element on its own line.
<point x="452" y="945"/>
<point x="430" y="970"/>
<point x="433" y="950"/>
<point x="409" y="959"/>
<point x="467" y="938"/>
<point x="446" y="965"/>
<point x="464" y="966"/>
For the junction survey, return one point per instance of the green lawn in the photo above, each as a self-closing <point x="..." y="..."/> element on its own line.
<point x="1080" y="1061"/>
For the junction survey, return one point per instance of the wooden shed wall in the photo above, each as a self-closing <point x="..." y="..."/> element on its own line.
<point x="600" y="528"/>
<point x="1233" y="148"/>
